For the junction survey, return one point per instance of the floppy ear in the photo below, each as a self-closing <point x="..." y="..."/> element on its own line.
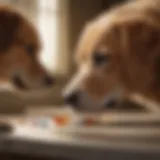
<point x="138" y="48"/>
<point x="9" y="22"/>
<point x="136" y="37"/>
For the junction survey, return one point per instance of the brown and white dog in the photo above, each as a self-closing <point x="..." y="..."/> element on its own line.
<point x="19" y="48"/>
<point x="118" y="55"/>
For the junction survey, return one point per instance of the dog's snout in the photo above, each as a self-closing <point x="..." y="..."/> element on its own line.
<point x="72" y="99"/>
<point x="112" y="103"/>
<point x="48" y="80"/>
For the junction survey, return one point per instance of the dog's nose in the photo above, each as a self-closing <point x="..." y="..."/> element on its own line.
<point x="112" y="103"/>
<point x="48" y="80"/>
<point x="72" y="99"/>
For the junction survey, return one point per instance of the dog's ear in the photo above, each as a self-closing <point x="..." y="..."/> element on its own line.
<point x="137" y="44"/>
<point x="136" y="37"/>
<point x="9" y="23"/>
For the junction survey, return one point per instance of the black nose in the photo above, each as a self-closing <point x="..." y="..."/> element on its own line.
<point x="71" y="99"/>
<point x="112" y="103"/>
<point x="48" y="80"/>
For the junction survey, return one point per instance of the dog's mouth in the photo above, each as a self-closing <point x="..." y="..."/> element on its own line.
<point x="19" y="83"/>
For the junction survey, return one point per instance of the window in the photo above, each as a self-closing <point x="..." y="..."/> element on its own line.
<point x="47" y="22"/>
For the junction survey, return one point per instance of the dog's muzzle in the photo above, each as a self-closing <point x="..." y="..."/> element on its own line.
<point x="72" y="99"/>
<point x="80" y="100"/>
<point x="18" y="81"/>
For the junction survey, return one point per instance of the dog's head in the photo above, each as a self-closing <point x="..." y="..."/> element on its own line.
<point x="19" y="49"/>
<point x="118" y="54"/>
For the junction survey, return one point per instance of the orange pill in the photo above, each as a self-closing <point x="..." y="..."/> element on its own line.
<point x="62" y="120"/>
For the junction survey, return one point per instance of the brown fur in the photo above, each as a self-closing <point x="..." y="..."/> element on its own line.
<point x="130" y="33"/>
<point x="19" y="47"/>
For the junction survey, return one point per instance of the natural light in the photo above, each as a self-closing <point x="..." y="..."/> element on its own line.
<point x="47" y="23"/>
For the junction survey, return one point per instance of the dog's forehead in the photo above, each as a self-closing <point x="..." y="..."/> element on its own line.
<point x="91" y="38"/>
<point x="102" y="31"/>
<point x="29" y="34"/>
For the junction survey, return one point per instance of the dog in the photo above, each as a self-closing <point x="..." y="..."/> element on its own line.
<point x="19" y="49"/>
<point x="118" y="55"/>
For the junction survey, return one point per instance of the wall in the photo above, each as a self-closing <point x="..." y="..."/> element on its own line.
<point x="80" y="13"/>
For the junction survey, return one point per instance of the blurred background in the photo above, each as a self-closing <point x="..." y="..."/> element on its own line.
<point x="59" y="23"/>
<point x="117" y="135"/>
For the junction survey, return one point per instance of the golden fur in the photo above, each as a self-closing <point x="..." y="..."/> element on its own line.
<point x="130" y="35"/>
<point x="19" y="47"/>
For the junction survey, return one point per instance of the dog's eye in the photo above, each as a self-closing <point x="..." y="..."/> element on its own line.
<point x="30" y="49"/>
<point x="100" y="58"/>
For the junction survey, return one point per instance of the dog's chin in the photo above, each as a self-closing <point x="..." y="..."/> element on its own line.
<point x="112" y="105"/>
<point x="88" y="105"/>
<point x="19" y="83"/>
<point x="22" y="85"/>
<point x="109" y="102"/>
